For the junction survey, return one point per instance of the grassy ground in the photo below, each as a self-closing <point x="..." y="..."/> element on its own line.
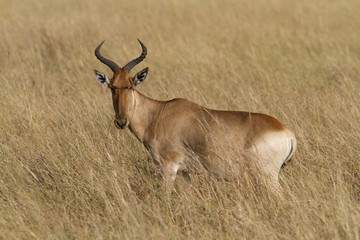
<point x="67" y="173"/>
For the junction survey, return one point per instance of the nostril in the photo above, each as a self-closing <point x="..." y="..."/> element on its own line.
<point x="117" y="124"/>
<point x="120" y="124"/>
<point x="123" y="123"/>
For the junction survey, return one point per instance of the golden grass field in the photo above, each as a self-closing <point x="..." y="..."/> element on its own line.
<point x="66" y="172"/>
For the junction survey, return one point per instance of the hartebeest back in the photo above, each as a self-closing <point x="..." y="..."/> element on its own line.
<point x="170" y="130"/>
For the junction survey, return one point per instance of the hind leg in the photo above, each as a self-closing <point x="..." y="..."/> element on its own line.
<point x="268" y="164"/>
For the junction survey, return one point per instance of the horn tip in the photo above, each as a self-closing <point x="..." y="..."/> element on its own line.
<point x="141" y="43"/>
<point x="99" y="46"/>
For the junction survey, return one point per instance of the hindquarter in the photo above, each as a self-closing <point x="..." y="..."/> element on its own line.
<point x="272" y="149"/>
<point x="235" y="139"/>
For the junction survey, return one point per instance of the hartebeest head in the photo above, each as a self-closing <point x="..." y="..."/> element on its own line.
<point x="121" y="84"/>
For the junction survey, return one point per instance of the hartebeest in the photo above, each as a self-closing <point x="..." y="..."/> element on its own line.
<point x="172" y="130"/>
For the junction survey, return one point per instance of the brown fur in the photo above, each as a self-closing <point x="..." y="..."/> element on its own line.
<point x="174" y="130"/>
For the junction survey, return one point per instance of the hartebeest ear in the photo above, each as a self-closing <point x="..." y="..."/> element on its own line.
<point x="102" y="78"/>
<point x="140" y="76"/>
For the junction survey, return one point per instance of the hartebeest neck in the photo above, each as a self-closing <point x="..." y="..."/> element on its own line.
<point x="144" y="112"/>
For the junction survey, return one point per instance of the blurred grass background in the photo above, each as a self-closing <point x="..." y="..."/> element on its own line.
<point x="67" y="173"/>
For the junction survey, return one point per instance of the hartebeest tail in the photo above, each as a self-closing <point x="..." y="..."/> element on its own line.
<point x="170" y="130"/>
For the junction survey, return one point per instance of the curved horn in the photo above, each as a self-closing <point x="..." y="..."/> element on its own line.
<point x="114" y="67"/>
<point x="136" y="61"/>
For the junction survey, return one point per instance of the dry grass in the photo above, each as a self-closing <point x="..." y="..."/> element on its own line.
<point x="67" y="173"/>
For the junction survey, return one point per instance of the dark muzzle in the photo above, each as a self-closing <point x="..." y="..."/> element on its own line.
<point x="120" y="124"/>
